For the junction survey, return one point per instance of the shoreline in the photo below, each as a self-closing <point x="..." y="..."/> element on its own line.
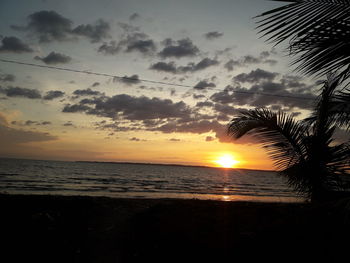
<point x="103" y="229"/>
<point x="172" y="196"/>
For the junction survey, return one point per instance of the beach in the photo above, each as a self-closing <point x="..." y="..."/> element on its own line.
<point x="46" y="228"/>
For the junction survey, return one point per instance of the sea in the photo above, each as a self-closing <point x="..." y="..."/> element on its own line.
<point x="128" y="180"/>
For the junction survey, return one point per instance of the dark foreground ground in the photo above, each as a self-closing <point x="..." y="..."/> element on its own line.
<point x="87" y="229"/>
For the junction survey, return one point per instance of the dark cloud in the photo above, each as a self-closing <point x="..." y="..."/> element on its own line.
<point x="191" y="67"/>
<point x="130" y="113"/>
<point x="53" y="94"/>
<point x="247" y="60"/>
<point x="133" y="108"/>
<point x="30" y="123"/>
<point x="134" y="79"/>
<point x="203" y="84"/>
<point x="256" y="76"/>
<point x="11" y="91"/>
<point x="198" y="96"/>
<point x="96" y="32"/>
<point x="87" y="92"/>
<point x="143" y="46"/>
<point x="213" y="35"/>
<point x="204" y="104"/>
<point x="75" y="108"/>
<point x="180" y="48"/>
<point x="134" y="17"/>
<point x="46" y="123"/>
<point x="14" y="45"/>
<point x="95" y="84"/>
<point x="54" y="58"/>
<point x="266" y="94"/>
<point x="48" y="26"/>
<point x="174" y="140"/>
<point x="110" y="48"/>
<point x="203" y="64"/>
<point x="7" y="78"/>
<point x="131" y="40"/>
<point x="68" y="124"/>
<point x="231" y="64"/>
<point x="165" y="66"/>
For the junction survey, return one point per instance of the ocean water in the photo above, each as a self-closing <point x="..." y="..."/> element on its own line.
<point x="141" y="181"/>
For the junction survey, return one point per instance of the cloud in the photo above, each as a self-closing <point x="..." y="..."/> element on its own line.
<point x="11" y="91"/>
<point x="134" y="79"/>
<point x="205" y="104"/>
<point x="255" y="76"/>
<point x="165" y="67"/>
<point x="68" y="124"/>
<point x="266" y="94"/>
<point x="9" y="137"/>
<point x="53" y="94"/>
<point x="203" y="84"/>
<point x="30" y="122"/>
<point x="134" y="16"/>
<point x="7" y="77"/>
<point x="96" y="32"/>
<point x="48" y="26"/>
<point x="143" y="46"/>
<point x="14" y="45"/>
<point x="231" y="64"/>
<point x="180" y="48"/>
<point x="130" y="113"/>
<point x="133" y="108"/>
<point x="131" y="40"/>
<point x="110" y="48"/>
<point x="75" y="108"/>
<point x="213" y="35"/>
<point x="87" y="92"/>
<point x="171" y="67"/>
<point x="247" y="60"/>
<point x="54" y="58"/>
<point x="203" y="64"/>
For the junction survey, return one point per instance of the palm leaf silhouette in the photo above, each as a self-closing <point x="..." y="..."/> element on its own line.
<point x="318" y="32"/>
<point x="305" y="154"/>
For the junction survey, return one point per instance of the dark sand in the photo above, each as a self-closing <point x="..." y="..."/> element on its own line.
<point x="90" y="229"/>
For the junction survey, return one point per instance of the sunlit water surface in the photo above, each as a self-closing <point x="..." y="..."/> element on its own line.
<point x="141" y="181"/>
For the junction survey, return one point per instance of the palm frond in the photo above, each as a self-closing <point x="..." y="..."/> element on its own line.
<point x="340" y="109"/>
<point x="278" y="132"/>
<point x="318" y="31"/>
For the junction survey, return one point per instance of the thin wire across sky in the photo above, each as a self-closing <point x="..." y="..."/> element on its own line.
<point x="146" y="80"/>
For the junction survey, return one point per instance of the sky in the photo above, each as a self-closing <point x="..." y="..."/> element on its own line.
<point x="173" y="70"/>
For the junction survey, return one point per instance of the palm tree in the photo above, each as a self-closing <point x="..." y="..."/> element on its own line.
<point x="305" y="154"/>
<point x="318" y="31"/>
<point x="319" y="36"/>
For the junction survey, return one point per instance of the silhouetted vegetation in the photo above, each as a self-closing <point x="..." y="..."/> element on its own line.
<point x="317" y="32"/>
<point x="305" y="151"/>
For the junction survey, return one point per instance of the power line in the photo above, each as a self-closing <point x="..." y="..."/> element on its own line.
<point x="146" y="80"/>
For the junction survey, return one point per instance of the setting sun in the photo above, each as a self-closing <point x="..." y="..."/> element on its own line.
<point x="226" y="161"/>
